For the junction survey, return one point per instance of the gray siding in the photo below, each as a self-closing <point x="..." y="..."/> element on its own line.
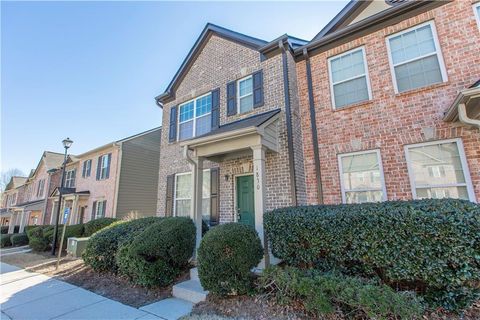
<point x="138" y="186"/>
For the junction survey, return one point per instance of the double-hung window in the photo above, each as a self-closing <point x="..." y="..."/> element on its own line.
<point x="361" y="177"/>
<point x="415" y="58"/>
<point x="87" y="168"/>
<point x="439" y="170"/>
<point x="195" y="117"/>
<point x="245" y="94"/>
<point x="104" y="166"/>
<point x="70" y="179"/>
<point x="349" y="81"/>
<point x="40" y="188"/>
<point x="183" y="194"/>
<point x="476" y="12"/>
<point x="100" y="209"/>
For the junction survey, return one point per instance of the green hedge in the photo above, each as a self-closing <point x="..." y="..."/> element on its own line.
<point x="226" y="256"/>
<point x="432" y="246"/>
<point x="4" y="229"/>
<point x="159" y="254"/>
<point x="19" y="239"/>
<point x="97" y="224"/>
<point x="103" y="245"/>
<point x="325" y="293"/>
<point x="5" y="240"/>
<point x="36" y="239"/>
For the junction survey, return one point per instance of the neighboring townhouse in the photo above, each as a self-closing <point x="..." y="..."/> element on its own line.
<point x="10" y="196"/>
<point x="232" y="147"/>
<point x="119" y="179"/>
<point x="390" y="103"/>
<point x="31" y="195"/>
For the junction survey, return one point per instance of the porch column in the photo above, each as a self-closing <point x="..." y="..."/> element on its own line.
<point x="11" y="224"/>
<point x="23" y="220"/>
<point x="259" y="186"/>
<point x="197" y="182"/>
<point x="74" y="214"/>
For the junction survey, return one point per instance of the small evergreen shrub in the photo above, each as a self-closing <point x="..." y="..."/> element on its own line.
<point x="159" y="254"/>
<point x="430" y="246"/>
<point x="36" y="239"/>
<point x="93" y="226"/>
<point x="5" y="240"/>
<point x="74" y="230"/>
<point x="103" y="245"/>
<point x="226" y="256"/>
<point x="323" y="293"/>
<point x="19" y="239"/>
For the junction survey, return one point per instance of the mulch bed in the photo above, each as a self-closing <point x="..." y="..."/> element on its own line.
<point x="260" y="307"/>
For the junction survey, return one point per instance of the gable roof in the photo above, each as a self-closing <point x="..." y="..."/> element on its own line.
<point x="15" y="182"/>
<point x="209" y="29"/>
<point x="52" y="160"/>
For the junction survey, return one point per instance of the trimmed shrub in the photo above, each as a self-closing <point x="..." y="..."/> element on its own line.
<point x="3" y="229"/>
<point x="93" y="226"/>
<point x="5" y="240"/>
<point x="74" y="230"/>
<point x="36" y="239"/>
<point x="19" y="239"/>
<point x="322" y="293"/>
<point x="159" y="254"/>
<point x="102" y="246"/>
<point x="226" y="256"/>
<point x="408" y="244"/>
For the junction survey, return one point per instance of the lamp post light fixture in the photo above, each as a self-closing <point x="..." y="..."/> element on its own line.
<point x="67" y="143"/>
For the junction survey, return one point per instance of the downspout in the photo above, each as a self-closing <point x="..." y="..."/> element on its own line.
<point x="288" y="113"/>
<point x="313" y="124"/>
<point x="117" y="179"/>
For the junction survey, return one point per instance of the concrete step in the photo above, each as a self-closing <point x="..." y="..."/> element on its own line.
<point x="194" y="274"/>
<point x="190" y="290"/>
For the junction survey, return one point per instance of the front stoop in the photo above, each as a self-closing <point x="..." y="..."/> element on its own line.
<point x="190" y="290"/>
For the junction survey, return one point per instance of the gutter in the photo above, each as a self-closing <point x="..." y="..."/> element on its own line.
<point x="313" y="125"/>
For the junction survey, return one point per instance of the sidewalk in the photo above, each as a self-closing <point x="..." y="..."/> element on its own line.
<point x="27" y="295"/>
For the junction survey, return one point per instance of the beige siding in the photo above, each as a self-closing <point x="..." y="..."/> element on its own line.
<point x="137" y="190"/>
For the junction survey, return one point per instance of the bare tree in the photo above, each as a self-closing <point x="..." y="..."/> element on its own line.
<point x="5" y="177"/>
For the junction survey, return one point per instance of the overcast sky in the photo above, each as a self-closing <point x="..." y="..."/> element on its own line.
<point x="90" y="70"/>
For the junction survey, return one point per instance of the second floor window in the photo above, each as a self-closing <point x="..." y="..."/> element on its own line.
<point x="349" y="81"/>
<point x="103" y="168"/>
<point x="476" y="11"/>
<point x="245" y="94"/>
<point x="70" y="179"/>
<point x="415" y="58"/>
<point x="13" y="199"/>
<point x="195" y="117"/>
<point x="87" y="168"/>
<point x="40" y="188"/>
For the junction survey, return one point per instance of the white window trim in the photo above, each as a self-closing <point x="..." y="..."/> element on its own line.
<point x="88" y="168"/>
<point x="247" y="95"/>
<point x="104" y="208"/>
<point x="330" y="74"/>
<point x="103" y="177"/>
<point x="194" y="119"/>
<point x="463" y="161"/>
<point x="438" y="52"/>
<point x="174" y="214"/>
<point x="71" y="178"/>
<point x="380" y="167"/>
<point x="475" y="12"/>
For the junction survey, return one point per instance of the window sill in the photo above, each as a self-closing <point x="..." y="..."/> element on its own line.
<point x="354" y="105"/>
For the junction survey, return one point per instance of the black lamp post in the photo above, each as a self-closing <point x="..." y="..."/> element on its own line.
<point x="66" y="144"/>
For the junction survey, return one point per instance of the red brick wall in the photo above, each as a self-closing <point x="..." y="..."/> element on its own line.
<point x="390" y="121"/>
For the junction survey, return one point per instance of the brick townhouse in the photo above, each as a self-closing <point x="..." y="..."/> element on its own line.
<point x="231" y="148"/>
<point x="390" y="103"/>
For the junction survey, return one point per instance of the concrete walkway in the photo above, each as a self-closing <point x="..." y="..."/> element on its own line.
<point x="27" y="295"/>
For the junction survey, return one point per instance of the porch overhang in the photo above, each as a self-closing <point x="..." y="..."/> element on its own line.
<point x="466" y="108"/>
<point x="242" y="137"/>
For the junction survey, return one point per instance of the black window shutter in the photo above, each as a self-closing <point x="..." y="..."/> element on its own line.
<point x="94" y="207"/>
<point x="231" y="98"/>
<point x="214" y="196"/>
<point x="108" y="166"/>
<point x="215" y="109"/>
<point x="99" y="165"/>
<point x="172" y="133"/>
<point x="169" y="196"/>
<point x="257" y="89"/>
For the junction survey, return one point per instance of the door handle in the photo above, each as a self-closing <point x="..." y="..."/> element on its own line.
<point x="239" y="216"/>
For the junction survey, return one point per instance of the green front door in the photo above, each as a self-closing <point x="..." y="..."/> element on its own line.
<point x="245" y="200"/>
